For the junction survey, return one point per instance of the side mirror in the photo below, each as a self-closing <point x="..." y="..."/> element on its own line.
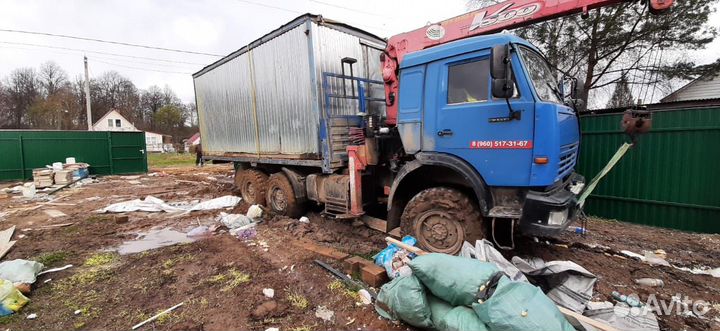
<point x="577" y="89"/>
<point x="500" y="71"/>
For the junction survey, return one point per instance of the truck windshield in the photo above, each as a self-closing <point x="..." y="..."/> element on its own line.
<point x="543" y="78"/>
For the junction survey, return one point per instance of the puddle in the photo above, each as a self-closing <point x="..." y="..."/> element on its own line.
<point x="153" y="239"/>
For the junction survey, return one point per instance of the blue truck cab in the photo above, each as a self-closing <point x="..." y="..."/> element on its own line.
<point x="518" y="154"/>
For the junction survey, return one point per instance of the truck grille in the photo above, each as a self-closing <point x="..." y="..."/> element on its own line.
<point x="568" y="157"/>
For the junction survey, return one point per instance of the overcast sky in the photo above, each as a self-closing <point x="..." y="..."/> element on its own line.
<point x="210" y="26"/>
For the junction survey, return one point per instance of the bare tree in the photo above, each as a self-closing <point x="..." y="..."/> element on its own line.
<point x="150" y="101"/>
<point x="23" y="88"/>
<point x="5" y="110"/>
<point x="52" y="77"/>
<point x="114" y="91"/>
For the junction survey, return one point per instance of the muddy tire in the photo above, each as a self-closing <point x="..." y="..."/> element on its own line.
<point x="441" y="219"/>
<point x="252" y="185"/>
<point x="280" y="196"/>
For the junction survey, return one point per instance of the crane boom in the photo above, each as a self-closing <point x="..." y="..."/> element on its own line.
<point x="492" y="19"/>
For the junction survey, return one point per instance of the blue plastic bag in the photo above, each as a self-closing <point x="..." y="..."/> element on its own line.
<point x="386" y="256"/>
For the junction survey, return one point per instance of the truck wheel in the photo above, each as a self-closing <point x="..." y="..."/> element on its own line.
<point x="281" y="197"/>
<point x="252" y="184"/>
<point x="441" y="219"/>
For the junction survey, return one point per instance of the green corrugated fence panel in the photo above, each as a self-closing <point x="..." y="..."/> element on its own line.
<point x="24" y="151"/>
<point x="128" y="152"/>
<point x="669" y="179"/>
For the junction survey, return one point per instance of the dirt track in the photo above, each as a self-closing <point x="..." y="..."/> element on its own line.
<point x="220" y="278"/>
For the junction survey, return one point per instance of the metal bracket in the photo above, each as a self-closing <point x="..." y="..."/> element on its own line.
<point x="512" y="235"/>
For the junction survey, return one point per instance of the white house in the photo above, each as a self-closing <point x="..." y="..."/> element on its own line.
<point x="114" y="121"/>
<point x="194" y="140"/>
<point x="703" y="88"/>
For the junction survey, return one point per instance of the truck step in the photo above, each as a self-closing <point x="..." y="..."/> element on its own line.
<point x="505" y="212"/>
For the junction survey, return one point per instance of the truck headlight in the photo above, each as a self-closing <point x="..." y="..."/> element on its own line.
<point x="558" y="217"/>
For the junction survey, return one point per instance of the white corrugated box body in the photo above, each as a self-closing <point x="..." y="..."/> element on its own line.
<point x="266" y="99"/>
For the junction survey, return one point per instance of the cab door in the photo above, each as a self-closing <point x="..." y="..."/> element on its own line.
<point x="474" y="126"/>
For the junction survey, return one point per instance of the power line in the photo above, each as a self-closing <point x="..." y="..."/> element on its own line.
<point x="142" y="69"/>
<point x="107" y="58"/>
<point x="98" y="52"/>
<point x="108" y="42"/>
<point x="300" y="13"/>
<point x="348" y="8"/>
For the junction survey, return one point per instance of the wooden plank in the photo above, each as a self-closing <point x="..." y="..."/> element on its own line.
<point x="582" y="318"/>
<point x="411" y="249"/>
<point x="375" y="223"/>
<point x="5" y="248"/>
<point x="395" y="232"/>
<point x="6" y="235"/>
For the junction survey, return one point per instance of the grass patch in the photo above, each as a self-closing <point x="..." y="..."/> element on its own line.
<point x="9" y="319"/>
<point x="82" y="278"/>
<point x="51" y="259"/>
<point x="232" y="279"/>
<point x="100" y="259"/>
<point x="170" y="263"/>
<point x="303" y="328"/>
<point x="337" y="286"/>
<point x="296" y="299"/>
<point x="160" y="160"/>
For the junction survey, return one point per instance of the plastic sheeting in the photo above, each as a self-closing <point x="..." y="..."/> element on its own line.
<point x="565" y="282"/>
<point x="20" y="271"/>
<point x="486" y="252"/>
<point x="152" y="204"/>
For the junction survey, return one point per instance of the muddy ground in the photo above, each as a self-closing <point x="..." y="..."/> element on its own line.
<point x="220" y="278"/>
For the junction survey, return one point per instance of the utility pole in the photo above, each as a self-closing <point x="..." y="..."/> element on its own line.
<point x="87" y="95"/>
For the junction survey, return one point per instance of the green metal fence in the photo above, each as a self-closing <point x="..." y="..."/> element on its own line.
<point x="106" y="152"/>
<point x="671" y="178"/>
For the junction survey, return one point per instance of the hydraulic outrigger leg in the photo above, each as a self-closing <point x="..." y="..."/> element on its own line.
<point x="634" y="123"/>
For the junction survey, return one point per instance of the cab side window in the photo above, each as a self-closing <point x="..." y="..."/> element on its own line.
<point x="468" y="82"/>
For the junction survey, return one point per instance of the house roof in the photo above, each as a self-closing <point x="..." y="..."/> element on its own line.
<point x="110" y="112"/>
<point x="705" y="87"/>
<point x="194" y="137"/>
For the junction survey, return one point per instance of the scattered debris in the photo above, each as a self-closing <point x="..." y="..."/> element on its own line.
<point x="157" y="315"/>
<point x="53" y="213"/>
<point x="199" y="231"/>
<point x="653" y="259"/>
<point x="268" y="293"/>
<point x="701" y="271"/>
<point x="325" y="314"/>
<point x="395" y="260"/>
<point x="233" y="221"/>
<point x="365" y="297"/>
<point x="153" y="204"/>
<point x="153" y="239"/>
<point x="5" y="243"/>
<point x="304" y="219"/>
<point x="254" y="212"/>
<point x="11" y="299"/>
<point x="77" y="312"/>
<point x="121" y="219"/>
<point x="652" y="282"/>
<point x="20" y="271"/>
<point x="32" y="316"/>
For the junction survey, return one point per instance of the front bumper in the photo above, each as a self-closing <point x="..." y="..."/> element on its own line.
<point x="548" y="213"/>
